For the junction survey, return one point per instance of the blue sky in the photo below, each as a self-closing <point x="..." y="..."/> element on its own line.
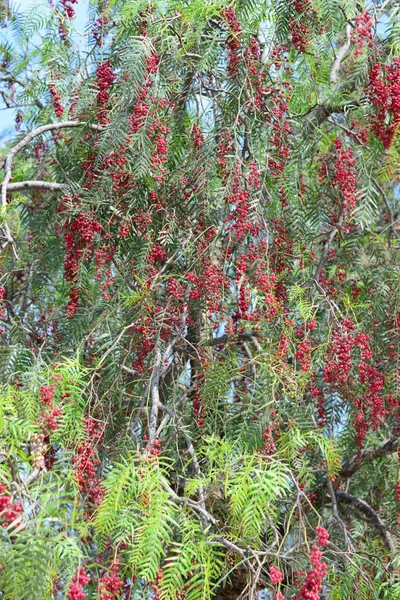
<point x="7" y="116"/>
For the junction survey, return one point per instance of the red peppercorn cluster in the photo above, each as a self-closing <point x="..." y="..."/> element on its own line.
<point x="383" y="91"/>
<point x="269" y="446"/>
<point x="312" y="583"/>
<point x="111" y="583"/>
<point x="225" y="147"/>
<point x="64" y="12"/>
<point x="157" y="254"/>
<point x="345" y="175"/>
<point x="158" y="133"/>
<point x="98" y="28"/>
<point x="397" y="490"/>
<point x="369" y="404"/>
<point x="322" y="536"/>
<point x="362" y="32"/>
<point x="254" y="177"/>
<point x="51" y="416"/>
<point x="276" y="575"/>
<point x="85" y="463"/>
<point x="155" y="449"/>
<point x="67" y="7"/>
<point x="10" y="512"/>
<point x="3" y="294"/>
<point x="299" y="25"/>
<point x="318" y="395"/>
<point x="105" y="79"/>
<point x="58" y="107"/>
<point x="198" y="137"/>
<point x="47" y="394"/>
<point x="78" y="240"/>
<point x="303" y="354"/>
<point x="233" y="40"/>
<point x="77" y="584"/>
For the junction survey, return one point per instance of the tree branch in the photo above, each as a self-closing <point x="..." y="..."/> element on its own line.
<point x="388" y="207"/>
<point x="155" y="396"/>
<point x="337" y="517"/>
<point x="359" y="460"/>
<point x="35" y="184"/>
<point x="9" y="161"/>
<point x="328" y="243"/>
<point x="368" y="511"/>
<point x="343" y="50"/>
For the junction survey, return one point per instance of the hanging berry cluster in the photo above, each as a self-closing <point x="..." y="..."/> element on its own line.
<point x="312" y="584"/>
<point x="85" y="464"/>
<point x="104" y="80"/>
<point x="53" y="412"/>
<point x="110" y="583"/>
<point x="79" y="581"/>
<point x="357" y="378"/>
<point x="79" y="237"/>
<point x="64" y="13"/>
<point x="362" y="34"/>
<point x="58" y="107"/>
<point x="233" y="40"/>
<point x="10" y="512"/>
<point x="383" y="91"/>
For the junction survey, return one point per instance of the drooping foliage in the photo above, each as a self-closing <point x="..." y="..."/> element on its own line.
<point x="200" y="301"/>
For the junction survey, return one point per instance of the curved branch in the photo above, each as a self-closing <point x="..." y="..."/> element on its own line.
<point x="9" y="162"/>
<point x="364" y="508"/>
<point x="359" y="460"/>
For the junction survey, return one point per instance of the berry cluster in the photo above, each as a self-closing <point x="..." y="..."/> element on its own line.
<point x="78" y="239"/>
<point x="77" y="584"/>
<point x="198" y="137"/>
<point x="362" y="32"/>
<point x="105" y="79"/>
<point x="3" y="294"/>
<point x="53" y="413"/>
<point x="322" y="536"/>
<point x="345" y="176"/>
<point x="85" y="463"/>
<point x="233" y="40"/>
<point x="299" y="25"/>
<point x="303" y="354"/>
<point x="276" y="575"/>
<point x="383" y="91"/>
<point x="65" y="13"/>
<point x="98" y="28"/>
<point x="58" y="107"/>
<point x="312" y="583"/>
<point x="10" y="512"/>
<point x="67" y="7"/>
<point x="111" y="583"/>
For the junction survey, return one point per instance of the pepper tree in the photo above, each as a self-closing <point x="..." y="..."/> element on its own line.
<point x="200" y="301"/>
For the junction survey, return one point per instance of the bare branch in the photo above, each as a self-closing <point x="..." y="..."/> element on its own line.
<point x="155" y="396"/>
<point x="337" y="517"/>
<point x="9" y="162"/>
<point x="328" y="242"/>
<point x="364" y="508"/>
<point x="35" y="185"/>
<point x="343" y="50"/>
